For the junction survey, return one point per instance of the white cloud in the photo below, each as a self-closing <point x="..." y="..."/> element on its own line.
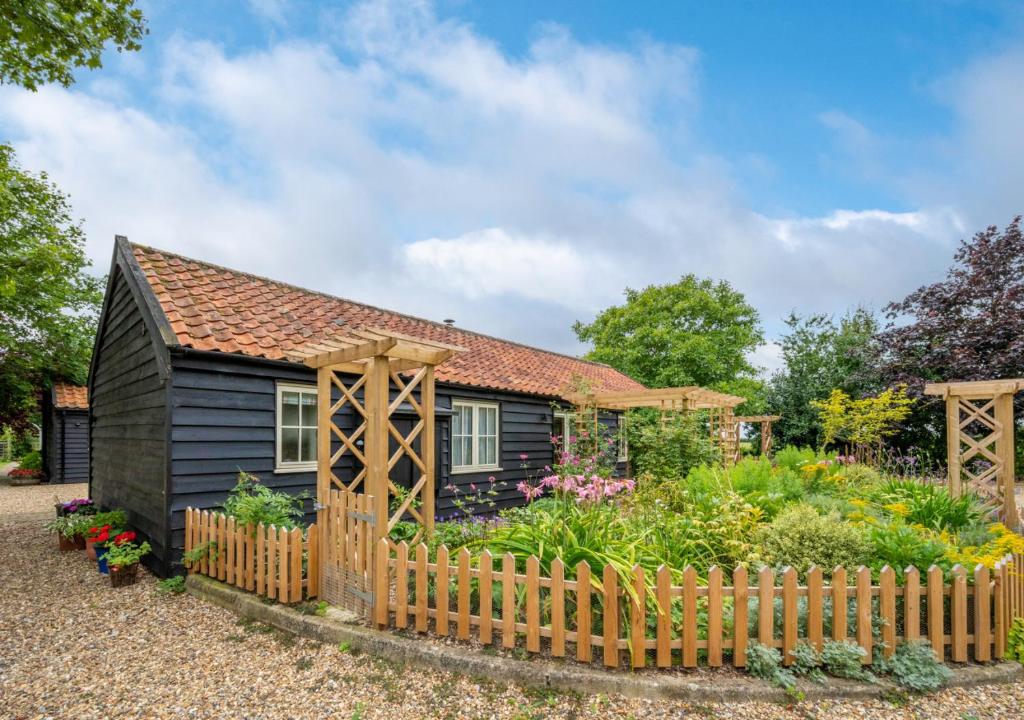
<point x="423" y="168"/>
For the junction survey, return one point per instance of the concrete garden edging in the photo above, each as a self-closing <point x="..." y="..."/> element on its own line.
<point x="341" y="627"/>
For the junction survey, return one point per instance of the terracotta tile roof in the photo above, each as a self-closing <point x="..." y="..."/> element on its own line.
<point x="70" y="396"/>
<point x="214" y="308"/>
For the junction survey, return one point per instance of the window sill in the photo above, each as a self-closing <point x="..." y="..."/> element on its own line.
<point x="285" y="469"/>
<point x="471" y="470"/>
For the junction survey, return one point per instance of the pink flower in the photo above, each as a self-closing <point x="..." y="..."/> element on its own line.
<point x="523" y="456"/>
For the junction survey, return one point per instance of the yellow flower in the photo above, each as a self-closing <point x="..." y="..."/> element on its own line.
<point x="898" y="508"/>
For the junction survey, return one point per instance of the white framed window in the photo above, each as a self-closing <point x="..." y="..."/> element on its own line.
<point x="296" y="428"/>
<point x="623" y="439"/>
<point x="474" y="436"/>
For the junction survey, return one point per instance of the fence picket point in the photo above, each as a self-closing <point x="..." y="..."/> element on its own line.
<point x="789" y="615"/>
<point x="441" y="592"/>
<point x="911" y="604"/>
<point x="766" y="606"/>
<point x="689" y="628"/>
<point x="462" y="629"/>
<point x="638" y="619"/>
<point x="557" y="608"/>
<point x="664" y="623"/>
<point x="839" y="604"/>
<point x="982" y="615"/>
<point x="584" y="646"/>
<point x="610" y="616"/>
<point x="864" y="637"/>
<point x="402" y="586"/>
<point x="486" y="598"/>
<point x="936" y="615"/>
<point x="887" y="607"/>
<point x="740" y="612"/>
<point x="815" y="613"/>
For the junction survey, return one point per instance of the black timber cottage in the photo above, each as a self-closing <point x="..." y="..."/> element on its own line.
<point x="66" y="434"/>
<point x="189" y="385"/>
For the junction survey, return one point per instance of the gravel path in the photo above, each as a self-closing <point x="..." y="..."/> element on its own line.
<point x="72" y="647"/>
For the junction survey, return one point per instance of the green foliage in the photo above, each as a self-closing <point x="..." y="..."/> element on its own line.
<point x="915" y="667"/>
<point x="899" y="545"/>
<point x="48" y="302"/>
<point x="70" y="526"/>
<point x="799" y="538"/>
<point x="692" y="332"/>
<point x="807" y="662"/>
<point x="863" y="423"/>
<point x="670" y="448"/>
<point x="31" y="461"/>
<point x="251" y="503"/>
<point x="114" y="518"/>
<point x="820" y="355"/>
<point x="930" y="505"/>
<point x="766" y="663"/>
<point x="174" y="585"/>
<point x="843" y="659"/>
<point x="207" y="550"/>
<point x="793" y="458"/>
<point x="46" y="40"/>
<point x="859" y="477"/>
<point x="126" y="554"/>
<point x="1015" y="641"/>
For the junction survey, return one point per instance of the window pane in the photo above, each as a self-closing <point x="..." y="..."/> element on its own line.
<point x="467" y="450"/>
<point x="308" y="444"/>
<point x="488" y="421"/>
<point x="289" y="407"/>
<point x="290" y="444"/>
<point x="308" y="410"/>
<point x="458" y="458"/>
<point x="488" y="450"/>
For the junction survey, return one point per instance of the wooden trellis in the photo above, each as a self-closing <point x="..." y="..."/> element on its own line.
<point x="724" y="430"/>
<point x="766" y="428"/>
<point x="979" y="436"/>
<point x="374" y="373"/>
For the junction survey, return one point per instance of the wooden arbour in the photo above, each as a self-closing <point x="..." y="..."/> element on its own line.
<point x="766" y="428"/>
<point x="720" y="407"/>
<point x="377" y="361"/>
<point x="980" y="425"/>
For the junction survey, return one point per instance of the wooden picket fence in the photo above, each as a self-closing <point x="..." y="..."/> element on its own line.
<point x="269" y="561"/>
<point x="677" y="623"/>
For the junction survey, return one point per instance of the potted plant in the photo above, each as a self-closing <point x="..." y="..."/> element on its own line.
<point x="70" y="531"/>
<point x="101" y="542"/>
<point x="71" y="507"/>
<point x="102" y="522"/>
<point x="123" y="556"/>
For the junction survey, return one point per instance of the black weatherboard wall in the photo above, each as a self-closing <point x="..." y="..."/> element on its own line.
<point x="65" y="443"/>
<point x="128" y="392"/>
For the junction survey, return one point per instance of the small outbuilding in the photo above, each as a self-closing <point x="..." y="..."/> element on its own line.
<point x="65" y="441"/>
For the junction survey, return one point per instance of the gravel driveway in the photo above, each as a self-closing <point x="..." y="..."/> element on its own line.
<point x="72" y="647"/>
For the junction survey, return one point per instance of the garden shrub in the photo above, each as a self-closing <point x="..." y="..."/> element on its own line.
<point x="1001" y="541"/>
<point x="800" y="537"/>
<point x="928" y="505"/>
<point x="31" y="460"/>
<point x="1015" y="641"/>
<point x="251" y="502"/>
<point x="668" y="450"/>
<point x="858" y="477"/>
<point x="792" y="458"/>
<point x="842" y="658"/>
<point x="766" y="663"/>
<point x="900" y="545"/>
<point x="915" y="666"/>
<point x="807" y="662"/>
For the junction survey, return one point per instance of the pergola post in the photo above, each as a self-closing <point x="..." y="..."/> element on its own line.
<point x="988" y="405"/>
<point x="377" y="443"/>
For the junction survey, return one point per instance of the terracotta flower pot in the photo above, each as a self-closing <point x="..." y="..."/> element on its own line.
<point x="79" y="542"/>
<point x="66" y="544"/>
<point x="90" y="549"/>
<point x="123" y="576"/>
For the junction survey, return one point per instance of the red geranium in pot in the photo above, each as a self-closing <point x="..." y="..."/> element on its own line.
<point x="123" y="556"/>
<point x="93" y="537"/>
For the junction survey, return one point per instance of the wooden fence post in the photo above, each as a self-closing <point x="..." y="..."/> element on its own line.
<point x="766" y="606"/>
<point x="584" y="651"/>
<point x="557" y="608"/>
<point x="887" y="607"/>
<point x="664" y="622"/>
<point x="714" y="616"/>
<point x="740" y="610"/>
<point x="982" y="615"/>
<point x="789" y="615"/>
<point x="689" y="629"/>
<point x="815" y="613"/>
<point x="958" y="614"/>
<point x="486" y="598"/>
<point x="936" y="611"/>
<point x="610" y="617"/>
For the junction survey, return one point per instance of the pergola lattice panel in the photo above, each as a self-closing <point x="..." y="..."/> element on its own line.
<point x="980" y="427"/>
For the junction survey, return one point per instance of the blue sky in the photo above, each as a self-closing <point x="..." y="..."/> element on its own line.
<point x="516" y="165"/>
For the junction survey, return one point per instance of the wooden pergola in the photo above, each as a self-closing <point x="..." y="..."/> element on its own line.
<point x="980" y="425"/>
<point x="378" y="360"/>
<point x="766" y="428"/>
<point x="720" y="406"/>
